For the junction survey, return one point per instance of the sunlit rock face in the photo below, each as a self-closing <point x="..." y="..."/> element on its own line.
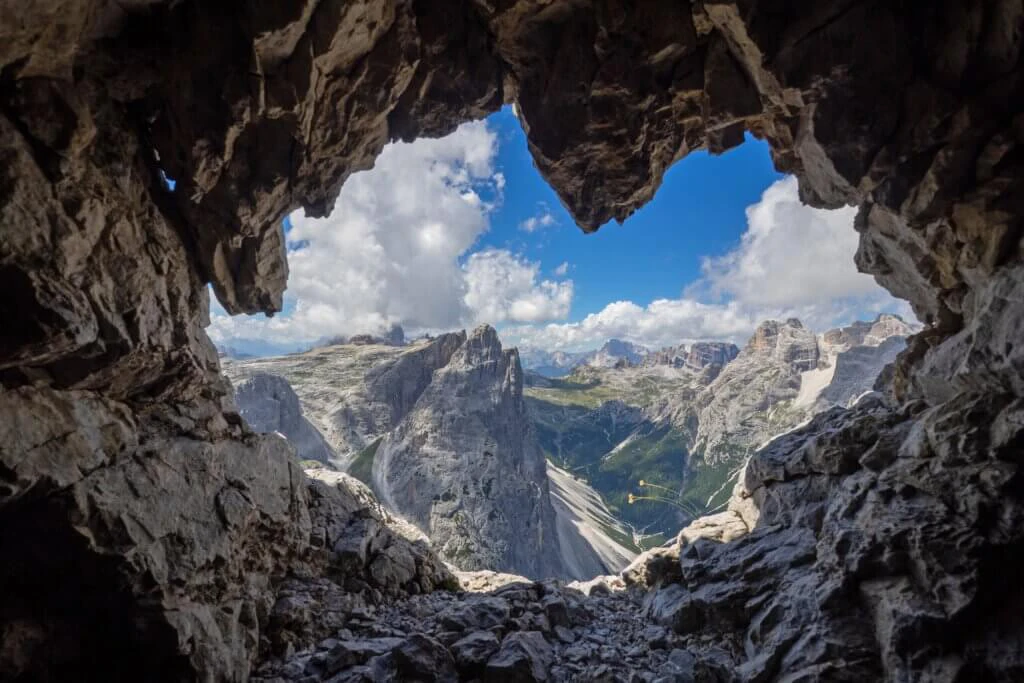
<point x="438" y="429"/>
<point x="353" y="393"/>
<point x="737" y="408"/>
<point x="465" y="465"/>
<point x="896" y="528"/>
<point x="269" y="404"/>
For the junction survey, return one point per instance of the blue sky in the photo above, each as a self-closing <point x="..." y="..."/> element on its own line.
<point x="699" y="210"/>
<point x="452" y="232"/>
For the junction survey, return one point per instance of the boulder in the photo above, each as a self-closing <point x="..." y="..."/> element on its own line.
<point x="524" y="657"/>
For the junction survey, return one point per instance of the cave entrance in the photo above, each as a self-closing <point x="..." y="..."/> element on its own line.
<point x="619" y="426"/>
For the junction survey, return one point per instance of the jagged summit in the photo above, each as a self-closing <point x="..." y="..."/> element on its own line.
<point x="869" y="333"/>
<point x="699" y="356"/>
<point x="482" y="346"/>
<point x="788" y="342"/>
<point x="687" y="417"/>
<point x="560" y="363"/>
<point x="464" y="465"/>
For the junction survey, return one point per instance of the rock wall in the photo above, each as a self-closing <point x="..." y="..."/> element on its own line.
<point x="856" y="371"/>
<point x="738" y="409"/>
<point x="466" y="467"/>
<point x="112" y="400"/>
<point x="884" y="548"/>
<point x="362" y="393"/>
<point x="269" y="404"/>
<point x="354" y="394"/>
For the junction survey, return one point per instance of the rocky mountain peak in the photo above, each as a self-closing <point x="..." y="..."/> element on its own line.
<point x="850" y="335"/>
<point x="866" y="333"/>
<point x="482" y="349"/>
<point x="465" y="466"/>
<point x="119" y="459"/>
<point x="484" y="337"/>
<point x="620" y="348"/>
<point x="615" y="351"/>
<point x="789" y="342"/>
<point x="674" y="356"/>
<point x="704" y="354"/>
<point x="886" y="326"/>
<point x="395" y="335"/>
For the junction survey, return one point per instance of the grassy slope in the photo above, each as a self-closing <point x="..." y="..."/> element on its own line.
<point x="575" y="440"/>
<point x="362" y="465"/>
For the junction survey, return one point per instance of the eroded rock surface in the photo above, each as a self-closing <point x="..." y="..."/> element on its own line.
<point x="361" y="394"/>
<point x="877" y="542"/>
<point x="517" y="631"/>
<point x="143" y="514"/>
<point x="736" y="410"/>
<point x="465" y="465"/>
<point x="354" y="394"/>
<point x="269" y="404"/>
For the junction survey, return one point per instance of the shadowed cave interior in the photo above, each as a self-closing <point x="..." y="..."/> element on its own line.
<point x="149" y="534"/>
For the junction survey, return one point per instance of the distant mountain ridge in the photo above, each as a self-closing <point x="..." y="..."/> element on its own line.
<point x="702" y="354"/>
<point x="561" y="363"/>
<point x="684" y="422"/>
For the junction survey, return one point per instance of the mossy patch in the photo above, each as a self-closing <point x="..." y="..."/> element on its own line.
<point x="362" y="466"/>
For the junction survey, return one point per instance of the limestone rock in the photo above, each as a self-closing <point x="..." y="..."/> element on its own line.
<point x="857" y="370"/>
<point x="524" y="656"/>
<point x="716" y="355"/>
<point x="125" y="457"/>
<point x="465" y="466"/>
<point x="699" y="421"/>
<point x="709" y="357"/>
<point x="735" y="411"/>
<point x="360" y="393"/>
<point x="473" y="651"/>
<point x="355" y="394"/>
<point x="480" y="614"/>
<point x="422" y="658"/>
<point x="614" y="352"/>
<point x="268" y="404"/>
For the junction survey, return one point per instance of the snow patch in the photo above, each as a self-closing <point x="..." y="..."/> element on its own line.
<point x="813" y="382"/>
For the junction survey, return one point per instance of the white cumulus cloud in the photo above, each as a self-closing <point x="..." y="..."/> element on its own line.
<point x="791" y="254"/>
<point x="543" y="219"/>
<point x="792" y="261"/>
<point x="664" y="322"/>
<point x="505" y="287"/>
<point x="393" y="248"/>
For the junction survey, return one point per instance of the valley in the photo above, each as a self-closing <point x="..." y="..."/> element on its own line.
<point x="505" y="468"/>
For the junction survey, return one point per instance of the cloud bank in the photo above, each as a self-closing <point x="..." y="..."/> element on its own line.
<point x="792" y="261"/>
<point x="397" y="249"/>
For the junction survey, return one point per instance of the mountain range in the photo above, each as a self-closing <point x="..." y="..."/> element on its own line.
<point x="685" y="420"/>
<point x="561" y="363"/>
<point x="568" y="476"/>
<point x="439" y="429"/>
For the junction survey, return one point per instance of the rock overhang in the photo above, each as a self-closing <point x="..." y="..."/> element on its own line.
<point x="911" y="110"/>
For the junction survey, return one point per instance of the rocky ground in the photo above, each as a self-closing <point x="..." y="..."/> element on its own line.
<point x="515" y="631"/>
<point x="796" y="580"/>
